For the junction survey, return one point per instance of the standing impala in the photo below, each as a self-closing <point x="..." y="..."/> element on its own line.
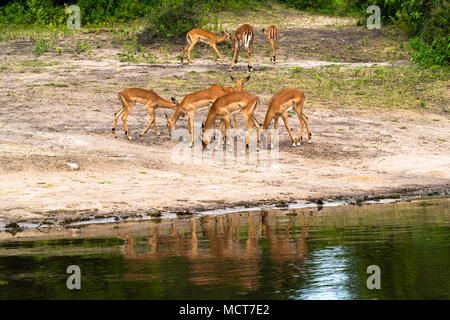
<point x="282" y="102"/>
<point x="200" y="100"/>
<point x="272" y="35"/>
<point x="243" y="35"/>
<point x="227" y="105"/>
<point x="129" y="97"/>
<point x="196" y="35"/>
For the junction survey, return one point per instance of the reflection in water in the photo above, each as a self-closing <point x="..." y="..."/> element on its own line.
<point x="227" y="247"/>
<point x="268" y="254"/>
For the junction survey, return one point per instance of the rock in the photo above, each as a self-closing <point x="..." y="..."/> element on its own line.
<point x="72" y="166"/>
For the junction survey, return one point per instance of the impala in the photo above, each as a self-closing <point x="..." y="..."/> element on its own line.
<point x="199" y="100"/>
<point x="196" y="35"/>
<point x="282" y="102"/>
<point x="227" y="105"/>
<point x="129" y="97"/>
<point x="272" y="35"/>
<point x="243" y="35"/>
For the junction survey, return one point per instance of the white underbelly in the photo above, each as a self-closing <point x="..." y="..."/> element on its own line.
<point x="203" y="108"/>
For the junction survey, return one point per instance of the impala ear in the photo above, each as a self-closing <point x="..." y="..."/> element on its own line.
<point x="248" y="78"/>
<point x="232" y="79"/>
<point x="174" y="101"/>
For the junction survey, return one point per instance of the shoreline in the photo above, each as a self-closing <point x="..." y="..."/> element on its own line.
<point x="78" y="218"/>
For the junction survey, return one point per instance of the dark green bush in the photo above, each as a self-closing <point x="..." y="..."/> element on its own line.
<point x="430" y="55"/>
<point x="174" y="19"/>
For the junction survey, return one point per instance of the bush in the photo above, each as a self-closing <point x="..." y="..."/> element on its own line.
<point x="430" y="55"/>
<point x="175" y="18"/>
<point x="16" y="13"/>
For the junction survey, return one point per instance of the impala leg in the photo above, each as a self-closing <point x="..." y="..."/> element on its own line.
<point x="275" y="126"/>
<point x="218" y="53"/>
<point x="184" y="50"/>
<point x="219" y="138"/>
<point x="307" y="127"/>
<point x="189" y="49"/>
<point x="152" y="121"/>
<point x="248" y="120"/>
<point x="225" y="135"/>
<point x="116" y="117"/>
<point x="236" y="126"/>
<point x="124" y="120"/>
<point x="236" y="51"/>
<point x="271" y="50"/>
<point x="191" y="127"/>
<point x="302" y="122"/>
<point x="214" y="53"/>
<point x="258" y="128"/>
<point x="286" y="124"/>
<point x="249" y="55"/>
<point x="274" y="52"/>
<point x="229" y="136"/>
<point x="267" y="121"/>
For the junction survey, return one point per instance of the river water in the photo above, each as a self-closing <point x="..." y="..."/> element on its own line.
<point x="265" y="254"/>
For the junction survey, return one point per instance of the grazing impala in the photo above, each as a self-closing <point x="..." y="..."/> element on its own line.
<point x="199" y="100"/>
<point x="243" y="35"/>
<point x="229" y="104"/>
<point x="129" y="97"/>
<point x="272" y="34"/>
<point x="196" y="35"/>
<point x="282" y="102"/>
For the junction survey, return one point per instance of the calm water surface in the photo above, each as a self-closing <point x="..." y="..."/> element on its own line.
<point x="270" y="254"/>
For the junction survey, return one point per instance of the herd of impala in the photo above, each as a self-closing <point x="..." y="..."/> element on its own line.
<point x="221" y="101"/>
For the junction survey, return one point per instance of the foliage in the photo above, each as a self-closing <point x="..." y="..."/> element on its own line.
<point x="40" y="48"/>
<point x="426" y="20"/>
<point x="173" y="18"/>
<point x="437" y="53"/>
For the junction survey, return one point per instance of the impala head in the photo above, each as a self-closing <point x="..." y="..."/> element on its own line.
<point x="169" y="124"/>
<point x="205" y="137"/>
<point x="174" y="101"/>
<point x="227" y="36"/>
<point x="240" y="83"/>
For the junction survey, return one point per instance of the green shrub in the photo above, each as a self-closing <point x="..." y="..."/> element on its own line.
<point x="437" y="53"/>
<point x="40" y="48"/>
<point x="15" y="13"/>
<point x="174" y="18"/>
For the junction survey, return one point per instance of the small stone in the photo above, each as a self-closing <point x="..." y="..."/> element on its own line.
<point x="72" y="166"/>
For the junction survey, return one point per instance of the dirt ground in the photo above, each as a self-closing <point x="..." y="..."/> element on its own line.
<point x="59" y="108"/>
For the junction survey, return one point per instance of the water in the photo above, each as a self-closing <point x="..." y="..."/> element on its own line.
<point x="285" y="254"/>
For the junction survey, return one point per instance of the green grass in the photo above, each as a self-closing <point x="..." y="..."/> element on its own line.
<point x="402" y="87"/>
<point x="51" y="84"/>
<point x="36" y="63"/>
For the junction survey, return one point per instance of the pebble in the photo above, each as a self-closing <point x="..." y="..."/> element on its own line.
<point x="72" y="166"/>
